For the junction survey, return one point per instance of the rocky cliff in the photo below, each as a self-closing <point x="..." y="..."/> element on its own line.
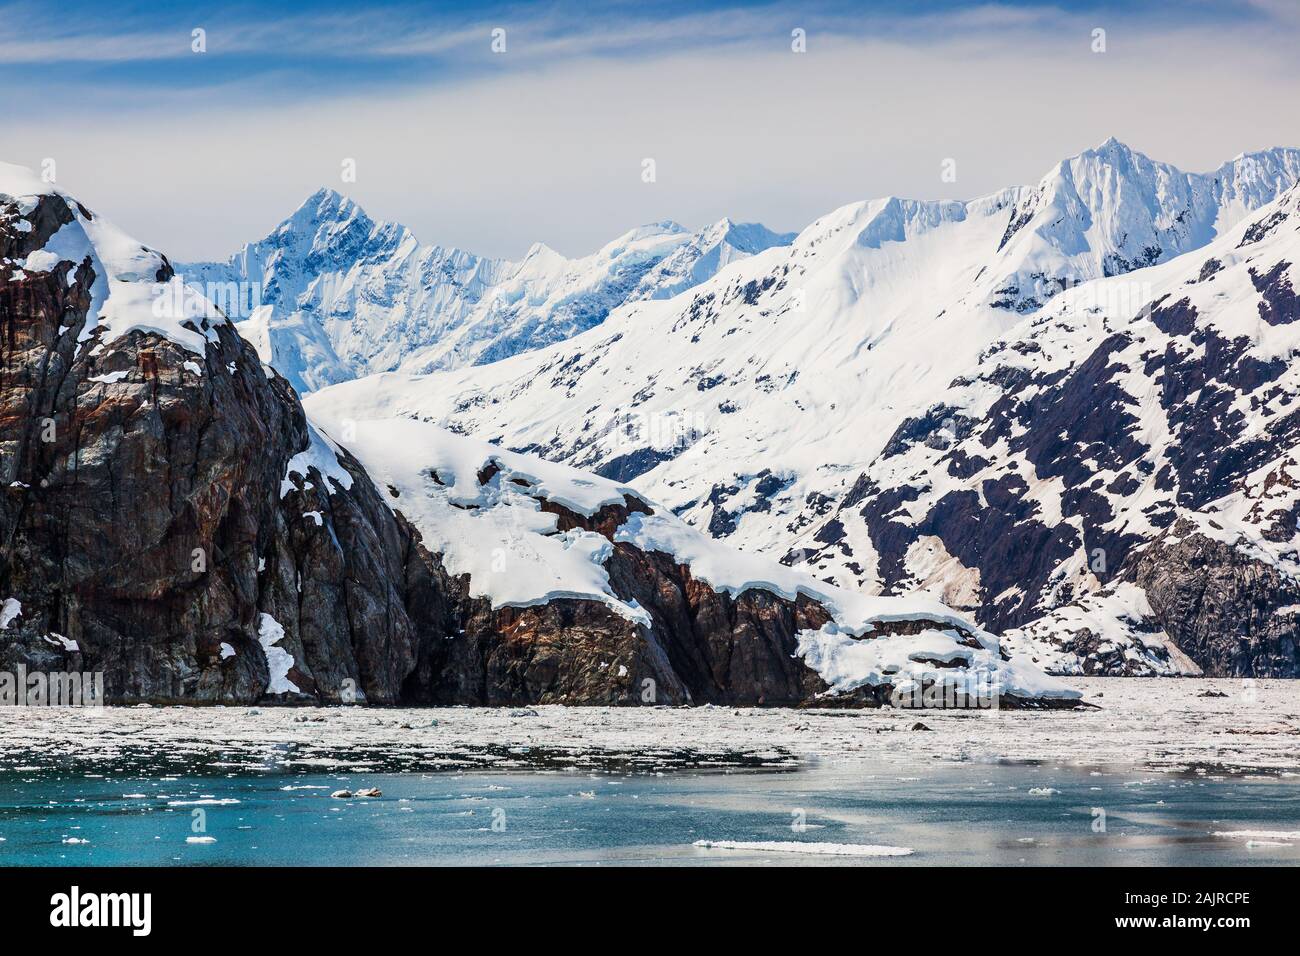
<point x="169" y="516"/>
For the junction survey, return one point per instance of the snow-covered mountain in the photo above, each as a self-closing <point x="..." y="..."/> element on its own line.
<point x="1116" y="478"/>
<point x="754" y="403"/>
<point x="331" y="294"/>
<point x="1111" y="210"/>
<point x="548" y="298"/>
<point x="750" y="402"/>
<point x="180" y="526"/>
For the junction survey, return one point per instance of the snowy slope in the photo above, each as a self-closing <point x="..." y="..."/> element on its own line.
<point x="1118" y="475"/>
<point x="132" y="287"/>
<point x="484" y="510"/>
<point x="750" y="404"/>
<point x="332" y="294"/>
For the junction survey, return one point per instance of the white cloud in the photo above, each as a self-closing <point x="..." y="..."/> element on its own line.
<point x="552" y="151"/>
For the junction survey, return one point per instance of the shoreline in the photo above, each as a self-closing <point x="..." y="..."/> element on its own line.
<point x="1157" y="724"/>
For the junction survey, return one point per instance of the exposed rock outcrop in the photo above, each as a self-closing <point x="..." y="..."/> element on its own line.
<point x="1115" y="488"/>
<point x="170" y="517"/>
<point x="1231" y="613"/>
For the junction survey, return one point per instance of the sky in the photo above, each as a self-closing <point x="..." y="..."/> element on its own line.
<point x="199" y="151"/>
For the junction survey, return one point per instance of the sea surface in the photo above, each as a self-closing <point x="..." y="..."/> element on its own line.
<point x="946" y="812"/>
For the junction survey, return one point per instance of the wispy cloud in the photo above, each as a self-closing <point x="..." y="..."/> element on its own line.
<point x="362" y="31"/>
<point x="196" y="154"/>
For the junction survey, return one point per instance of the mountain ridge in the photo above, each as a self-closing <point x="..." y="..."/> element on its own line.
<point x="331" y="294"/>
<point x="751" y="404"/>
<point x="172" y="519"/>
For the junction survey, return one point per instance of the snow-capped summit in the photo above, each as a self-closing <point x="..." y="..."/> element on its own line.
<point x="128" y="286"/>
<point x="19" y="181"/>
<point x="704" y="255"/>
<point x="331" y="294"/>
<point x="1110" y="210"/>
<point x="760" y="404"/>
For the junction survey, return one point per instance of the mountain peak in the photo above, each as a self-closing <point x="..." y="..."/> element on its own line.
<point x="326" y="203"/>
<point x="540" y="250"/>
<point x="650" y="230"/>
<point x="1110" y="150"/>
<point x="749" y="237"/>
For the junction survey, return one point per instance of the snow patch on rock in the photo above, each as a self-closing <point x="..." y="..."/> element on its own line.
<point x="278" y="660"/>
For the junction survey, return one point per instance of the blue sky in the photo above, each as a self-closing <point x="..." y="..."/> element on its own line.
<point x="100" y="50"/>
<point x="196" y="153"/>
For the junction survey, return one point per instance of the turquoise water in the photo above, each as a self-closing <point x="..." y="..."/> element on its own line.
<point x="949" y="813"/>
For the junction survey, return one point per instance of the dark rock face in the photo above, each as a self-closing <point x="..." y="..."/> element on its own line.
<point x="138" y="510"/>
<point x="732" y="650"/>
<point x="1230" y="614"/>
<point x="150" y="520"/>
<point x="704" y="647"/>
<point x="633" y="464"/>
<point x="1170" y="400"/>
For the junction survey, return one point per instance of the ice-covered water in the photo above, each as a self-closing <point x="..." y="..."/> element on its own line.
<point x="947" y="813"/>
<point x="1149" y="776"/>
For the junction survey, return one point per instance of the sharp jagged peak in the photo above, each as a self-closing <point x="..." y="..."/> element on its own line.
<point x="540" y="250"/>
<point x="751" y="237"/>
<point x="1113" y="145"/>
<point x="325" y="196"/>
<point x="1113" y="151"/>
<point x="323" y="206"/>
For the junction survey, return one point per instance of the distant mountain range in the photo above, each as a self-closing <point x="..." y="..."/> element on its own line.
<point x="1069" y="411"/>
<point x="812" y="400"/>
<point x="332" y="295"/>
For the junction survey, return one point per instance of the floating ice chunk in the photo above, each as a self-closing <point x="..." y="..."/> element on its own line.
<point x="792" y="846"/>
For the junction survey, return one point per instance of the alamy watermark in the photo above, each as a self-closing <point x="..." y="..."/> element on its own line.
<point x="956" y="692"/>
<point x="235" y="300"/>
<point x="23" y="688"/>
